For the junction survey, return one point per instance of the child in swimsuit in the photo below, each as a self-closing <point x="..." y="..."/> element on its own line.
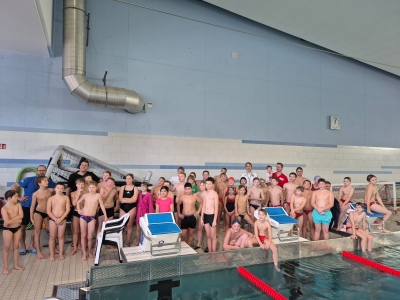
<point x="229" y="205"/>
<point x="38" y="210"/>
<point x="297" y="203"/>
<point x="80" y="184"/>
<point x="242" y="206"/>
<point x="12" y="214"/>
<point x="263" y="234"/>
<point x="356" y="217"/>
<point x="58" y="207"/>
<point x="88" y="218"/>
<point x="128" y="195"/>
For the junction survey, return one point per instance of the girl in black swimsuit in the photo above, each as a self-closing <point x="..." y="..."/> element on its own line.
<point x="128" y="195"/>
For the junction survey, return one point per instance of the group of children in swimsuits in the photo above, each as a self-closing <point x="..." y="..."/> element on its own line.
<point x="196" y="205"/>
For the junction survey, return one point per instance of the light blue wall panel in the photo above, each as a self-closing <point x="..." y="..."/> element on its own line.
<point x="350" y="107"/>
<point x="252" y="61"/>
<point x="294" y="113"/>
<point x="272" y="92"/>
<point x="177" y="96"/>
<point x="341" y="74"/>
<point x="382" y="126"/>
<point x="235" y="107"/>
<point x="109" y="28"/>
<point x="12" y="103"/>
<point x="166" y="39"/>
<point x="379" y="83"/>
<point x="293" y="65"/>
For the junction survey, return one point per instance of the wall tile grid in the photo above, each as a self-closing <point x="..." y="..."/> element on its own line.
<point x="162" y="154"/>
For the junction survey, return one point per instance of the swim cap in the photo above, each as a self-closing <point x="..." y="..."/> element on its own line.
<point x="236" y="221"/>
<point x="317" y="177"/>
<point x="231" y="178"/>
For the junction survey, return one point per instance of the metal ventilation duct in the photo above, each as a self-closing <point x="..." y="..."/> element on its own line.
<point x="74" y="65"/>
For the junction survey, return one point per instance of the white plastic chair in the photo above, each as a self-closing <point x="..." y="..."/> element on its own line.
<point x="111" y="234"/>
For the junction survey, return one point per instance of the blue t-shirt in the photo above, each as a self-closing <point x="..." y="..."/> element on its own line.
<point x="30" y="186"/>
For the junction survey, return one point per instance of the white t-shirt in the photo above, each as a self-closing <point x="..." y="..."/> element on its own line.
<point x="267" y="177"/>
<point x="174" y="180"/>
<point x="249" y="178"/>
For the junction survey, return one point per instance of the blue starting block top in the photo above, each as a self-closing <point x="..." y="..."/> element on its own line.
<point x="166" y="228"/>
<point x="279" y="215"/>
<point x="275" y="211"/>
<point x="373" y="215"/>
<point x="160" y="218"/>
<point x="284" y="219"/>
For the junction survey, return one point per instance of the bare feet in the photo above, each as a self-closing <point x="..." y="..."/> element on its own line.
<point x="73" y="252"/>
<point x="51" y="258"/>
<point x="91" y="255"/>
<point x="61" y="256"/>
<point x="18" y="268"/>
<point x="56" y="251"/>
<point x="84" y="257"/>
<point x="6" y="272"/>
<point x="79" y="247"/>
<point x="40" y="256"/>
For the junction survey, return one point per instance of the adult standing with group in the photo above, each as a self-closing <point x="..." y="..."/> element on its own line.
<point x="29" y="185"/>
<point x="249" y="174"/>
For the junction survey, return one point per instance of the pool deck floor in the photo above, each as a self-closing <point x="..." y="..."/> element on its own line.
<point x="40" y="276"/>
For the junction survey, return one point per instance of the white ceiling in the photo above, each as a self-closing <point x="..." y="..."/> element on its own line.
<point x="21" y="28"/>
<point x="363" y="29"/>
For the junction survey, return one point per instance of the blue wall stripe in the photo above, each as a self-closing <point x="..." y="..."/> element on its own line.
<point x="390" y="167"/>
<point x="52" y="130"/>
<point x="259" y="166"/>
<point x="288" y="144"/>
<point x="21" y="163"/>
<point x="362" y="172"/>
<point x="137" y="166"/>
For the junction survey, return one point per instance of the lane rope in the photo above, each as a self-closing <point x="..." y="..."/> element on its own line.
<point x="261" y="284"/>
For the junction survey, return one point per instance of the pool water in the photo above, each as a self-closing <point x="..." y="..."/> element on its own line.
<point x="322" y="277"/>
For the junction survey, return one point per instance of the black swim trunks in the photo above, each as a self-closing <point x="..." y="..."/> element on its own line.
<point x="208" y="219"/>
<point x="44" y="215"/>
<point x="109" y="212"/>
<point x="13" y="230"/>
<point x="27" y="215"/>
<point x="255" y="206"/>
<point x="188" y="222"/>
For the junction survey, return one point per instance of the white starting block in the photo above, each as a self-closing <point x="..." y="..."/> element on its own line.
<point x="160" y="234"/>
<point x="281" y="223"/>
<point x="370" y="218"/>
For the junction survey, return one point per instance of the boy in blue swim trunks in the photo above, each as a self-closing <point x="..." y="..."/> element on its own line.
<point x="88" y="218"/>
<point x="322" y="201"/>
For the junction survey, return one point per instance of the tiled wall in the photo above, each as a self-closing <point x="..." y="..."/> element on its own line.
<point x="163" y="154"/>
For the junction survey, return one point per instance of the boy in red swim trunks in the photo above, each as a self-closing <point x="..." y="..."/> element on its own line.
<point x="288" y="191"/>
<point x="307" y="210"/>
<point x="346" y="193"/>
<point x="297" y="203"/>
<point x="263" y="233"/>
<point x="275" y="193"/>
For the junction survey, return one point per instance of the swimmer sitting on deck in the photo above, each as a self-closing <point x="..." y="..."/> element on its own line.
<point x="356" y="217"/>
<point x="263" y="234"/>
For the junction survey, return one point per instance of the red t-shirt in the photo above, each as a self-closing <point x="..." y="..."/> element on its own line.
<point x="282" y="179"/>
